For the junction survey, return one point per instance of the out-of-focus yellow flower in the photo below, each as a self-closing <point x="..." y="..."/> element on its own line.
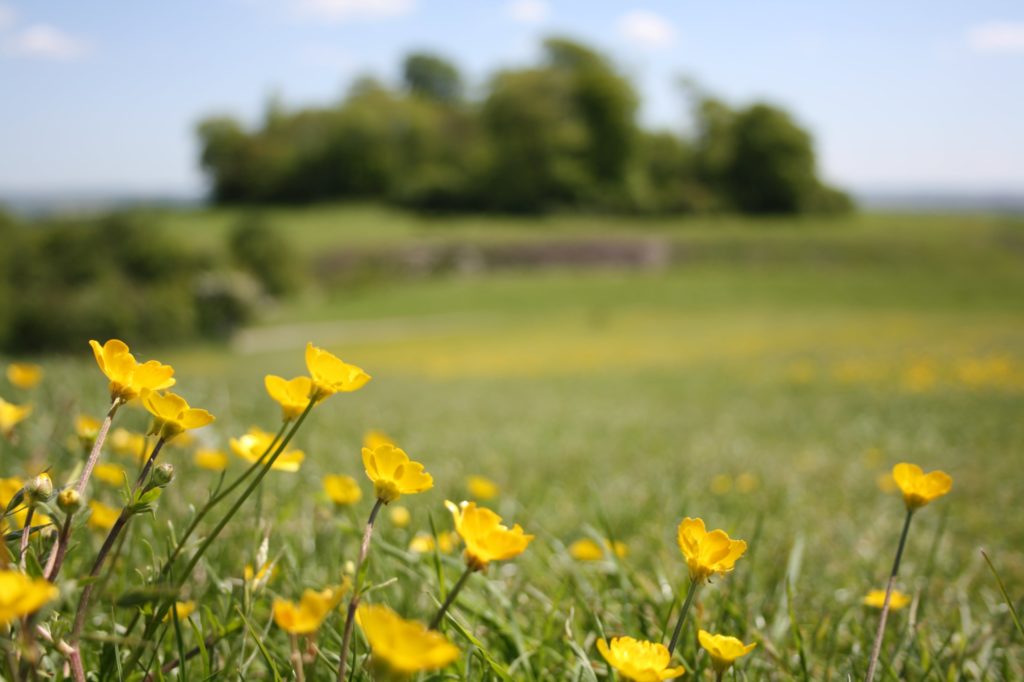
<point x="482" y="488"/>
<point x="343" y="490"/>
<point x="707" y="553"/>
<point x="293" y="396"/>
<point x="724" y="650"/>
<point x="172" y="414"/>
<point x="102" y="517"/>
<point x="331" y="375"/>
<point x="109" y="473"/>
<point x="128" y="378"/>
<point x="11" y="415"/>
<point x="21" y="595"/>
<point x="919" y="376"/>
<point x="24" y="374"/>
<point x="308" y="615"/>
<point x="402" y="646"/>
<point x="394" y="474"/>
<point x="213" y="460"/>
<point x="129" y="444"/>
<point x="876" y="599"/>
<point x="638" y="660"/>
<point x="747" y="482"/>
<point x="9" y="487"/>
<point x="918" y="487"/>
<point x="400" y="516"/>
<point x="86" y="429"/>
<point x="183" y="609"/>
<point x="486" y="538"/>
<point x="256" y="443"/>
<point x="261" y="577"/>
<point x="885" y="482"/>
<point x="424" y="542"/>
<point x="586" y="549"/>
<point x="372" y="439"/>
<point x="721" y="484"/>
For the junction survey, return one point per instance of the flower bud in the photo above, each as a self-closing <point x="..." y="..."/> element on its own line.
<point x="39" y="489"/>
<point x="69" y="501"/>
<point x="163" y="474"/>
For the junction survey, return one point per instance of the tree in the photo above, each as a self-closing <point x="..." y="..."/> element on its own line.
<point x="432" y="77"/>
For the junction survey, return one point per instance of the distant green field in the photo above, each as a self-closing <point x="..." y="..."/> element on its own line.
<point x="768" y="385"/>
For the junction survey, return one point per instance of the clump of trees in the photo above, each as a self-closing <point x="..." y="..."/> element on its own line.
<point x="561" y="135"/>
<point x="64" y="281"/>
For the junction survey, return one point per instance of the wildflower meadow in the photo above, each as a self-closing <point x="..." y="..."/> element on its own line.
<point x="561" y="492"/>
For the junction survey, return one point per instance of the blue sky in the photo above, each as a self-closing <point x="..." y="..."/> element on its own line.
<point x="908" y="95"/>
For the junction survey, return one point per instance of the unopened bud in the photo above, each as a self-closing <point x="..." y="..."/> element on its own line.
<point x="163" y="474"/>
<point x="39" y="489"/>
<point x="69" y="501"/>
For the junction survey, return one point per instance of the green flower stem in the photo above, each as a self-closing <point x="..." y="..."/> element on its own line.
<point x="350" y="615"/>
<point x="300" y="673"/>
<point x="450" y="599"/>
<point x="876" y="649"/>
<point x="161" y="611"/>
<point x="26" y="531"/>
<point x="57" y="552"/>
<point x="108" y="544"/>
<point x="206" y="508"/>
<point x="690" y="594"/>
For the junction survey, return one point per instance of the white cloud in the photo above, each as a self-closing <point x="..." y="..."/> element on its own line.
<point x="43" y="41"/>
<point x="997" y="36"/>
<point x="350" y="10"/>
<point x="6" y="15"/>
<point x="646" y="29"/>
<point x="528" y="11"/>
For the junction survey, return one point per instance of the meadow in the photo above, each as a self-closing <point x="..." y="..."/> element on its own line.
<point x="766" y="381"/>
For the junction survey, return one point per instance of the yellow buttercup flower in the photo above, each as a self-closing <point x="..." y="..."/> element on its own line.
<point x="638" y="660"/>
<point x="308" y="615"/>
<point x="24" y="374"/>
<point x="482" y="488"/>
<point x="86" y="429"/>
<point x="129" y="444"/>
<point x="918" y="487"/>
<point x="103" y="517"/>
<point x="394" y="474"/>
<point x="261" y="577"/>
<point x="173" y="415"/>
<point x="331" y="375"/>
<point x="343" y="490"/>
<point x="214" y="460"/>
<point x="404" y="647"/>
<point x="11" y="415"/>
<point x="586" y="549"/>
<point x="253" y="445"/>
<point x="182" y="609"/>
<point x="109" y="473"/>
<point x="293" y="396"/>
<point x="400" y="516"/>
<point x="374" y="438"/>
<point x="486" y="538"/>
<point x="424" y="542"/>
<point x="876" y="599"/>
<point x="707" y="553"/>
<point x="724" y="650"/>
<point x="129" y="378"/>
<point x="21" y="595"/>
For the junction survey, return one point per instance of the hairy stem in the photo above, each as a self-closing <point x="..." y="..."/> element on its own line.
<point x="876" y="649"/>
<point x="350" y="615"/>
<point x="450" y="599"/>
<point x="690" y="594"/>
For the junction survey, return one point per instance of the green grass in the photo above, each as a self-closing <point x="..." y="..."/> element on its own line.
<point x="808" y="358"/>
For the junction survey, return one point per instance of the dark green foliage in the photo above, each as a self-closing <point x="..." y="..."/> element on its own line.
<point x="114" y="276"/>
<point x="261" y="251"/>
<point x="561" y="135"/>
